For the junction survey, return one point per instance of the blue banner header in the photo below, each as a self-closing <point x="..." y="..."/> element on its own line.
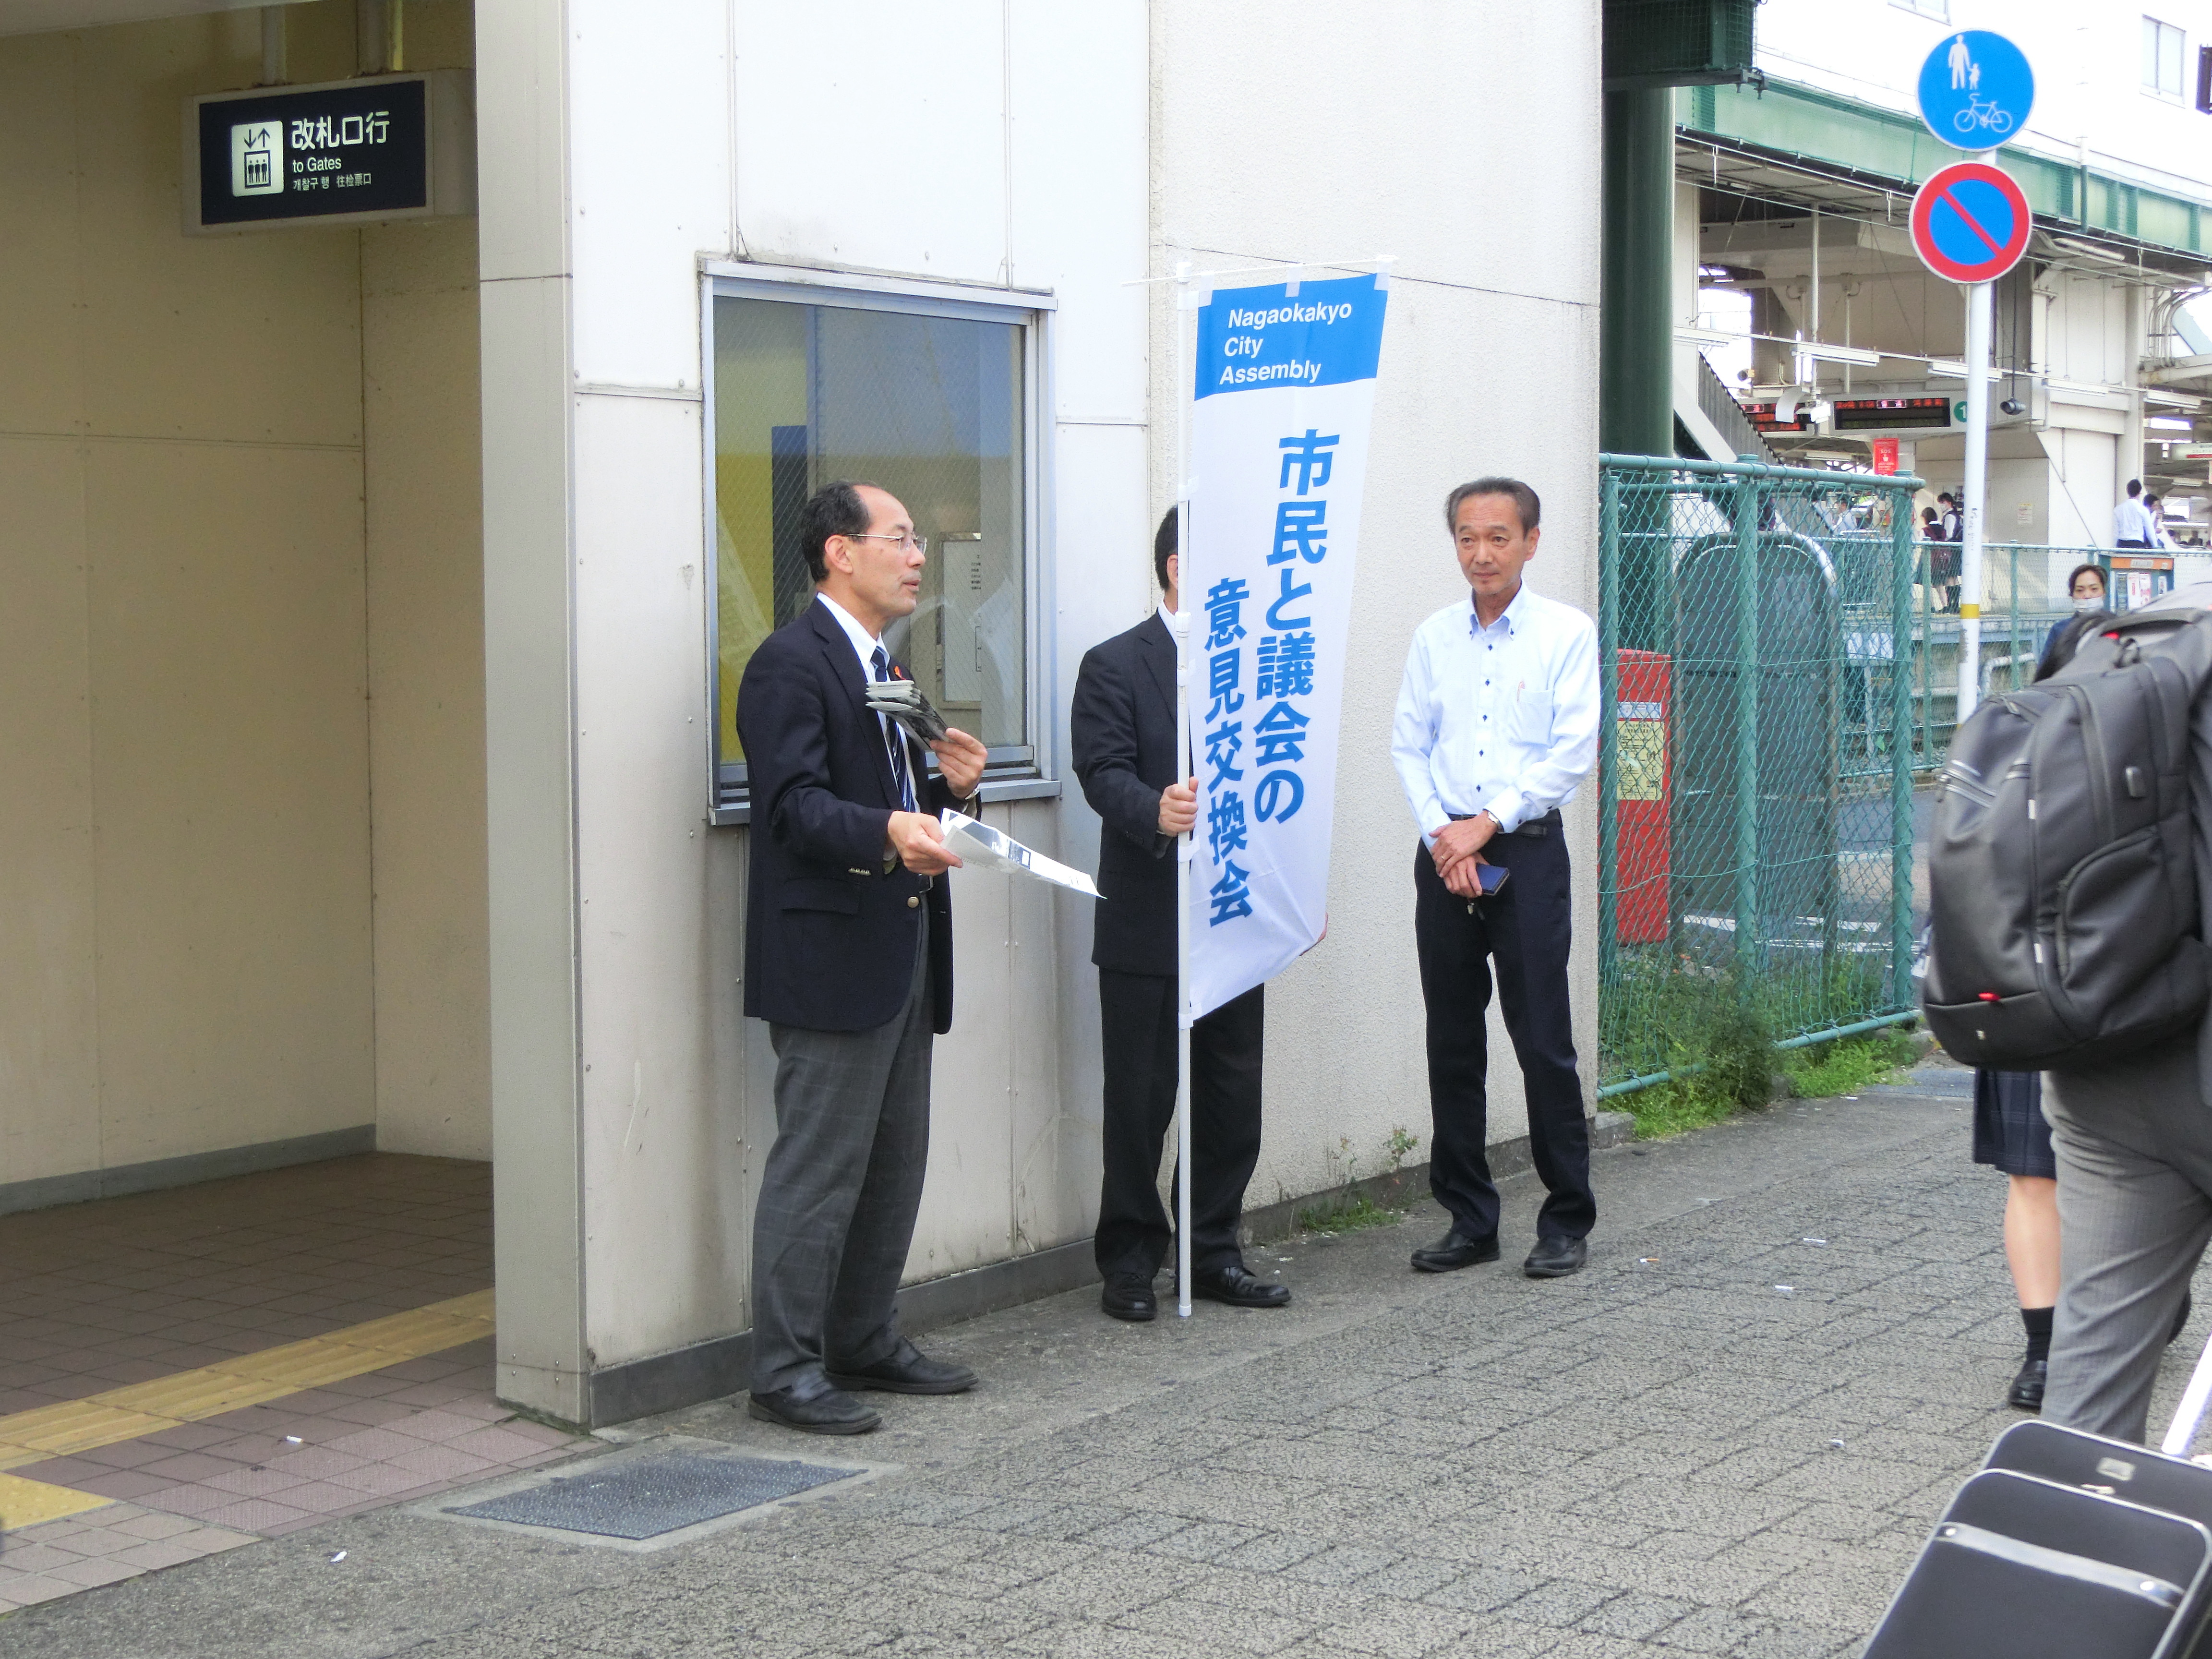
<point x="1253" y="339"/>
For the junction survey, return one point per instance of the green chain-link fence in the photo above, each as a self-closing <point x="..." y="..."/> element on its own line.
<point x="1762" y="646"/>
<point x="2023" y="597"/>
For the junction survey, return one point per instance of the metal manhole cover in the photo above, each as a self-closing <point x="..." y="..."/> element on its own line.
<point x="645" y="1496"/>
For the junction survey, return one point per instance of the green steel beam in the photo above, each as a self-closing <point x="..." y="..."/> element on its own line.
<point x="1636" y="324"/>
<point x="1843" y="133"/>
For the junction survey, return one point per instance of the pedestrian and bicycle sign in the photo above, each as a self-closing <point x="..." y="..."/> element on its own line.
<point x="1976" y="90"/>
<point x="1970" y="222"/>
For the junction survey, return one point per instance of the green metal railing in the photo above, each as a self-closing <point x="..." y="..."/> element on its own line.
<point x="1761" y="651"/>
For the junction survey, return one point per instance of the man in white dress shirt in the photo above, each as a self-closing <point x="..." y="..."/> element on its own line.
<point x="1497" y="724"/>
<point x="2131" y="523"/>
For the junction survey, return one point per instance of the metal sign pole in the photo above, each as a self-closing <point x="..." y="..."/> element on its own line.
<point x="1975" y="488"/>
<point x="1185" y="586"/>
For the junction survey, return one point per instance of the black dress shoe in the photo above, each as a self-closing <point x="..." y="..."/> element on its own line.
<point x="1454" y="1250"/>
<point x="908" y="1371"/>
<point x="2027" y="1392"/>
<point x="830" y="1412"/>
<point x="1129" y="1295"/>
<point x="1239" y="1289"/>
<point x="1555" y="1258"/>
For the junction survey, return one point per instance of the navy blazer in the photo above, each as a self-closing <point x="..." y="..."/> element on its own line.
<point x="1121" y="727"/>
<point x="830" y="936"/>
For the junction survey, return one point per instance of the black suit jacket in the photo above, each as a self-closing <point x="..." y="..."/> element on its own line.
<point x="829" y="938"/>
<point x="1122" y="727"/>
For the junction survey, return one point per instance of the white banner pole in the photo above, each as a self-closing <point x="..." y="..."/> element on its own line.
<point x="1183" y="850"/>
<point x="1975" y="488"/>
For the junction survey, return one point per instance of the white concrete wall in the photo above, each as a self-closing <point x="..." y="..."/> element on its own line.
<point x="185" y="921"/>
<point x="981" y="143"/>
<point x="242" y="852"/>
<point x="1303" y="130"/>
<point x="1006" y="143"/>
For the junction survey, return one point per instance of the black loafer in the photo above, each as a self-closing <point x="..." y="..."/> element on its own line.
<point x="1454" y="1250"/>
<point x="1555" y="1258"/>
<point x="1239" y="1289"/>
<point x="2025" y="1394"/>
<point x="1129" y="1295"/>
<point x="830" y="1412"/>
<point x="908" y="1371"/>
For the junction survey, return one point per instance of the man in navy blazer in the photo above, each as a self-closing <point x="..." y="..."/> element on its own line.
<point x="1122" y="727"/>
<point x="849" y="957"/>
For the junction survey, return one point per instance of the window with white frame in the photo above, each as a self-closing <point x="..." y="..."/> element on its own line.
<point x="2161" y="58"/>
<point x="1938" y="10"/>
<point x="928" y="400"/>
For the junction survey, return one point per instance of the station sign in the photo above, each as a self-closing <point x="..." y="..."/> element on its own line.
<point x="1976" y="90"/>
<point x="1970" y="222"/>
<point x="364" y="151"/>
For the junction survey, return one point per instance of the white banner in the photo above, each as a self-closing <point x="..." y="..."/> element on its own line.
<point x="1286" y="386"/>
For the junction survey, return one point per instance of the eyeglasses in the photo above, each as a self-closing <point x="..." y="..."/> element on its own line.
<point x="919" y="543"/>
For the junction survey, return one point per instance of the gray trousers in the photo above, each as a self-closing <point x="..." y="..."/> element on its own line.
<point x="840" y="1194"/>
<point x="2135" y="1209"/>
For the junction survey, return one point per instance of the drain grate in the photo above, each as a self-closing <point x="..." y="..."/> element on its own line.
<point x="645" y="1496"/>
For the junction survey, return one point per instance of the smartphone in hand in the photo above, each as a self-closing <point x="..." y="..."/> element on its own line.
<point x="1490" y="877"/>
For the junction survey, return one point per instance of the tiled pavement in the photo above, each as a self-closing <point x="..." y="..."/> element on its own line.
<point x="1728" y="1436"/>
<point x="129" y="1289"/>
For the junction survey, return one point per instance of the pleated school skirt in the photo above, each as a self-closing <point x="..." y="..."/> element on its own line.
<point x="2009" y="1131"/>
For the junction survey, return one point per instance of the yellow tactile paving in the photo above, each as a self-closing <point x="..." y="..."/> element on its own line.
<point x="26" y="1502"/>
<point x="120" y="1414"/>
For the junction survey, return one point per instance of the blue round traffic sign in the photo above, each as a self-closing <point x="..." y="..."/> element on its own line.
<point x="1970" y="222"/>
<point x="1976" y="89"/>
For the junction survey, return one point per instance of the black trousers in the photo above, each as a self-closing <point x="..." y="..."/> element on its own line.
<point x="1524" y="930"/>
<point x="1137" y="1020"/>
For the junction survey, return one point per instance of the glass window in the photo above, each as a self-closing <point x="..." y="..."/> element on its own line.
<point x="2161" y="64"/>
<point x="928" y="406"/>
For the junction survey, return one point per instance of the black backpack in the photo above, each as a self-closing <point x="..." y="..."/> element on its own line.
<point x="2062" y="883"/>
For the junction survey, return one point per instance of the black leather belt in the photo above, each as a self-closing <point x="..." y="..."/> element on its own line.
<point x="1546" y="825"/>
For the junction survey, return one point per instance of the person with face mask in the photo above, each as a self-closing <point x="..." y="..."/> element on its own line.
<point x="2085" y="591"/>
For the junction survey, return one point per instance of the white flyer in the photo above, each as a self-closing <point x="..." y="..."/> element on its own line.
<point x="979" y="847"/>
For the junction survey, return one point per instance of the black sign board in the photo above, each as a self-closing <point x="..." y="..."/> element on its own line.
<point x="349" y="150"/>
<point x="1891" y="414"/>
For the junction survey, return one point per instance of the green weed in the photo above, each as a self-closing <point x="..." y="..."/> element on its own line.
<point x="1348" y="1215"/>
<point x="1349" y="1208"/>
<point x="1847" y="1065"/>
<point x="1719" y="1046"/>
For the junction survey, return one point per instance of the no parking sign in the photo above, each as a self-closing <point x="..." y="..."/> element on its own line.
<point x="1970" y="222"/>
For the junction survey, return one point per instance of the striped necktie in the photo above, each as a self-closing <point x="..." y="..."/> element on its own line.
<point x="894" y="739"/>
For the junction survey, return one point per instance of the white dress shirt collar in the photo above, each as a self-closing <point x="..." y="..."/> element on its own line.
<point x="1510" y="616"/>
<point x="863" y="642"/>
<point x="1175" y="622"/>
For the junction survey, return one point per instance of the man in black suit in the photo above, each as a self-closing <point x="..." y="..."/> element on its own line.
<point x="849" y="957"/>
<point x="1123" y="728"/>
